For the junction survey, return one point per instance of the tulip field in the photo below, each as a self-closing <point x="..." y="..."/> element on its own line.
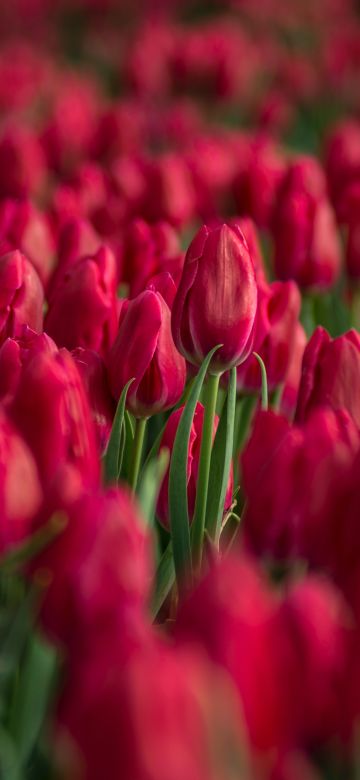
<point x="180" y="390"/>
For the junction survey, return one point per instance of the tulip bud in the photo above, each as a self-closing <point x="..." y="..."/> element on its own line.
<point x="342" y="162"/>
<point x="21" y="295"/>
<point x="15" y="353"/>
<point x="296" y="466"/>
<point x="167" y="442"/>
<point x="93" y="372"/>
<point x="144" y="349"/>
<point x="306" y="240"/>
<point x="330" y="374"/>
<point x="274" y="338"/>
<point x="82" y="310"/>
<point x="20" y="490"/>
<point x="51" y="410"/>
<point x="23" y="227"/>
<point x="217" y="299"/>
<point x="91" y="588"/>
<point x="77" y="239"/>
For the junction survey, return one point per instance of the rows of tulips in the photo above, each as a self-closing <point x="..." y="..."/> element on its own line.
<point x="179" y="395"/>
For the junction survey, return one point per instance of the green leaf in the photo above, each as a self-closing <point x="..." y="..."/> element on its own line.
<point x="150" y="482"/>
<point x="165" y="578"/>
<point x="264" y="384"/>
<point x="178" y="503"/>
<point x="221" y="462"/>
<point x="15" y="625"/>
<point x="9" y="760"/>
<point x="129" y="427"/>
<point x="33" y="691"/>
<point x="34" y="544"/>
<point x="112" y="460"/>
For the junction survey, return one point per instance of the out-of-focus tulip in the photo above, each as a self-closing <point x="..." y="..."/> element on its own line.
<point x="287" y="474"/>
<point x="147" y="250"/>
<point x="77" y="239"/>
<point x="248" y="228"/>
<point x="82" y="310"/>
<point x="167" y="441"/>
<point x="93" y="371"/>
<point x="15" y="353"/>
<point x="183" y="721"/>
<point x="51" y="410"/>
<point x="351" y="205"/>
<point x="306" y="240"/>
<point x="342" y="162"/>
<point x="330" y="374"/>
<point x="216" y="300"/>
<point x="233" y="614"/>
<point x="170" y="191"/>
<point x="21" y="295"/>
<point x="100" y="566"/>
<point x="293" y="376"/>
<point x="20" y="490"/>
<point x="22" y="163"/>
<point x="256" y="186"/>
<point x="23" y="227"/>
<point x="274" y="338"/>
<point x="144" y="349"/>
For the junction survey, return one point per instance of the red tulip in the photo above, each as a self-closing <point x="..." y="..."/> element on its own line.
<point x="20" y="490"/>
<point x="21" y="295"/>
<point x="93" y="371"/>
<point x="51" y="410"/>
<point x="15" y="353"/>
<point x="82" y="309"/>
<point x="307" y="243"/>
<point x="274" y="338"/>
<point x="144" y="349"/>
<point x="330" y="374"/>
<point x="217" y="298"/>
<point x="23" y="227"/>
<point x="93" y="590"/>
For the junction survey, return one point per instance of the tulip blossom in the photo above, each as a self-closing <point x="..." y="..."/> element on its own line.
<point x="167" y="442"/>
<point x="20" y="489"/>
<point x="23" y="227"/>
<point x="288" y="472"/>
<point x="51" y="410"/>
<point x="274" y="337"/>
<point x="234" y="615"/>
<point x="93" y="371"/>
<point x="121" y="719"/>
<point x="15" y="353"/>
<point x="144" y="349"/>
<point x="330" y="374"/>
<point x="21" y="295"/>
<point x="82" y="309"/>
<point x="92" y="587"/>
<point x="306" y="241"/>
<point x="216" y="300"/>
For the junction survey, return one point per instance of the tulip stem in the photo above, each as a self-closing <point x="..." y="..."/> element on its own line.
<point x="137" y="451"/>
<point x="204" y="469"/>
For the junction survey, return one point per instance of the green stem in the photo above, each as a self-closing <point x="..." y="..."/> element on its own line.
<point x="245" y="410"/>
<point x="204" y="469"/>
<point x="137" y="451"/>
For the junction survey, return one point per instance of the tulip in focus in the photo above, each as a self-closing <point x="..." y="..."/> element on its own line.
<point x="216" y="300"/>
<point x="144" y="349"/>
